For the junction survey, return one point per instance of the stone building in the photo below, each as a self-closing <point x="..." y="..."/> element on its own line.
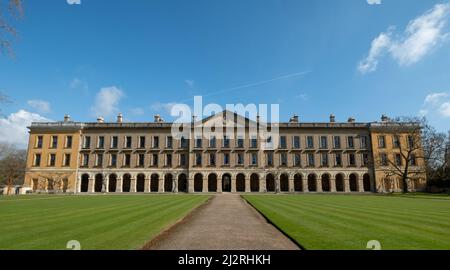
<point x="119" y="157"/>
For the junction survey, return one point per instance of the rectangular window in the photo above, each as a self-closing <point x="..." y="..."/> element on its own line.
<point x="87" y="142"/>
<point x="69" y="142"/>
<point x="240" y="142"/>
<point x="114" y="142"/>
<point x="366" y="159"/>
<point x="337" y="142"/>
<point x="351" y="142"/>
<point x="155" y="142"/>
<point x="364" y="142"/>
<point x="85" y="160"/>
<point x="311" y="160"/>
<point x="270" y="159"/>
<point x="351" y="160"/>
<point x="254" y="159"/>
<point x="52" y="160"/>
<point x="254" y="142"/>
<point x="184" y="143"/>
<point x="226" y="159"/>
<point x="182" y="159"/>
<point x="384" y="159"/>
<point x="398" y="159"/>
<point x="324" y="160"/>
<point x="113" y="162"/>
<point x="54" y="142"/>
<point x="323" y="142"/>
<point x="101" y="142"/>
<point x="411" y="143"/>
<point x="240" y="159"/>
<point x="99" y="161"/>
<point x="396" y="141"/>
<point x="283" y="143"/>
<point x="413" y="160"/>
<point x="142" y="142"/>
<point x="155" y="160"/>
<point x="381" y="141"/>
<point x="169" y="160"/>
<point x="169" y="143"/>
<point x="338" y="160"/>
<point x="198" y="159"/>
<point x="37" y="160"/>
<point x="67" y="160"/>
<point x="283" y="159"/>
<point x="39" y="140"/>
<point x="297" y="160"/>
<point x="127" y="160"/>
<point x="310" y="142"/>
<point x="141" y="160"/>
<point x="212" y="159"/>
<point x="226" y="142"/>
<point x="212" y="142"/>
<point x="296" y="142"/>
<point x="198" y="142"/>
<point x="128" y="142"/>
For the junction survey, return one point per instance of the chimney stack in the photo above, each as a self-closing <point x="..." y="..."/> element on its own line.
<point x="66" y="118"/>
<point x="120" y="118"/>
<point x="332" y="118"/>
<point x="100" y="120"/>
<point x="351" y="120"/>
<point x="294" y="119"/>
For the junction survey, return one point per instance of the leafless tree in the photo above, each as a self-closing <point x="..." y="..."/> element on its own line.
<point x="10" y="10"/>
<point x="12" y="166"/>
<point x="56" y="178"/>
<point x="436" y="148"/>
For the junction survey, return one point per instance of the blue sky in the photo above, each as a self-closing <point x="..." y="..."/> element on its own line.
<point x="346" y="57"/>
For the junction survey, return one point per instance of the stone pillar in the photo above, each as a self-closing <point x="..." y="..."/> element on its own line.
<point x="105" y="188"/>
<point x="219" y="185"/>
<point x="305" y="185"/>
<point x="91" y="188"/>
<point x="191" y="185"/>
<point x="133" y="185"/>
<point x="319" y="184"/>
<point x="361" y="185"/>
<point x="78" y="185"/>
<point x="175" y="184"/>
<point x="119" y="185"/>
<point x="262" y="186"/>
<point x="161" y="184"/>
<point x="233" y="185"/>
<point x="277" y="184"/>
<point x="333" y="185"/>
<point x="247" y="185"/>
<point x="205" y="185"/>
<point x="346" y="185"/>
<point x="291" y="184"/>
<point x="147" y="185"/>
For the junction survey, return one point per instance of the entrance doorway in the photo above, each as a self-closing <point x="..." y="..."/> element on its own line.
<point x="226" y="183"/>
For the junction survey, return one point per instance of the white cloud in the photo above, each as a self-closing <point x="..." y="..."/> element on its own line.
<point x="421" y="36"/>
<point x="77" y="83"/>
<point x="444" y="110"/>
<point x="107" y="101"/>
<point x="74" y="2"/>
<point x="374" y="2"/>
<point x="13" y="129"/>
<point x="137" y="111"/>
<point x="167" y="107"/>
<point x="435" y="98"/>
<point x="40" y="106"/>
<point x="436" y="105"/>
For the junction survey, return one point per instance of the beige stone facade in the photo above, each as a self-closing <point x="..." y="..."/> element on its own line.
<point x="148" y="158"/>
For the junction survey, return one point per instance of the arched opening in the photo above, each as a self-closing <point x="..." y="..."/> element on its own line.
<point x="284" y="183"/>
<point x="298" y="183"/>
<point x="112" y="183"/>
<point x="182" y="183"/>
<point x="198" y="183"/>
<point x="270" y="183"/>
<point x="312" y="183"/>
<point x="35" y="184"/>
<point x="340" y="183"/>
<point x="126" y="185"/>
<point x="212" y="182"/>
<point x="326" y="187"/>
<point x="154" y="183"/>
<point x="254" y="183"/>
<point x="240" y="183"/>
<point x="98" y="183"/>
<point x="226" y="183"/>
<point x="84" y="183"/>
<point x="65" y="185"/>
<point x="168" y="183"/>
<point x="366" y="182"/>
<point x="140" y="183"/>
<point x="50" y="185"/>
<point x="353" y="183"/>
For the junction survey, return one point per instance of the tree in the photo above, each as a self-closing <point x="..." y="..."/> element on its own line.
<point x="12" y="166"/>
<point x="435" y="147"/>
<point x="10" y="10"/>
<point x="55" y="178"/>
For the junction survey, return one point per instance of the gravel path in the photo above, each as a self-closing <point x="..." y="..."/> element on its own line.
<point x="226" y="222"/>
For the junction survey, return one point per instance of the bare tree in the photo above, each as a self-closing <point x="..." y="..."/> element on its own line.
<point x="12" y="166"/>
<point x="55" y="178"/>
<point x="408" y="150"/>
<point x="10" y="10"/>
<point x="436" y="148"/>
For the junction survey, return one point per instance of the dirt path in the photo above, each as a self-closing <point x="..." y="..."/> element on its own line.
<point x="226" y="222"/>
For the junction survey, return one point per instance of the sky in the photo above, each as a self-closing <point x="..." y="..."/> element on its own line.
<point x="352" y="58"/>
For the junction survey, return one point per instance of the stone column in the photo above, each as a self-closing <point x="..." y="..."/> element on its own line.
<point x="233" y="185"/>
<point x="262" y="185"/>
<point x="247" y="185"/>
<point x="133" y="185"/>
<point x="319" y="184"/>
<point x="119" y="185"/>
<point x="191" y="185"/>
<point x="205" y="185"/>
<point x="305" y="185"/>
<point x="91" y="188"/>
<point x="175" y="184"/>
<point x="277" y="184"/>
<point x="346" y="185"/>
<point x="147" y="185"/>
<point x="361" y="185"/>
<point x="105" y="188"/>
<point x="333" y="185"/>
<point x="78" y="185"/>
<point x="161" y="184"/>
<point x="219" y="185"/>
<point x="291" y="184"/>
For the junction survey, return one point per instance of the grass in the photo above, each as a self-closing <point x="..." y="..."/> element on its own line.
<point x="97" y="222"/>
<point x="337" y="222"/>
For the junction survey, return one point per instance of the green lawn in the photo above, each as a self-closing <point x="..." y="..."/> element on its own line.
<point x="97" y="222"/>
<point x="338" y="222"/>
